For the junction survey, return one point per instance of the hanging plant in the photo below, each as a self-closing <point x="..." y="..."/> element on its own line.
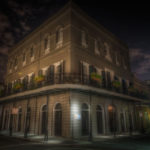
<point x="39" y="79"/>
<point x="96" y="77"/>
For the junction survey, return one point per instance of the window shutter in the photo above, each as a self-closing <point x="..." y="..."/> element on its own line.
<point x="48" y="45"/>
<point x="103" y="79"/>
<point x="57" y="36"/>
<point x="52" y="73"/>
<point x="61" y="35"/>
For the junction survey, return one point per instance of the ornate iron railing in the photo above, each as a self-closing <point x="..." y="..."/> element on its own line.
<point x="70" y="78"/>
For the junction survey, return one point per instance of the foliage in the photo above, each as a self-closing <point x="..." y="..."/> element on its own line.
<point x="116" y="84"/>
<point x="18" y="86"/>
<point x="96" y="77"/>
<point x="39" y="79"/>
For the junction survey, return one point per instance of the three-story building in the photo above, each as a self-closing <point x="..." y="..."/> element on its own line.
<point x="71" y="77"/>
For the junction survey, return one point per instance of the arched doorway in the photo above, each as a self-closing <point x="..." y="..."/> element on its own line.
<point x="130" y="122"/>
<point x="6" y="120"/>
<point x="44" y="119"/>
<point x="28" y="118"/>
<point x="85" y="119"/>
<point x="112" y="119"/>
<point x="19" y="119"/>
<point x="58" y="120"/>
<point x="99" y="114"/>
<point x="122" y="123"/>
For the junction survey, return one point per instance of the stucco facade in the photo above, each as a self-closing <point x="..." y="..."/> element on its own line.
<point x="70" y="77"/>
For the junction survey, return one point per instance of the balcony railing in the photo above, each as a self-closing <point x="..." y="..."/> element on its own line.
<point x="72" y="79"/>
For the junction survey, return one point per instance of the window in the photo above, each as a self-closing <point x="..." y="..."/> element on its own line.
<point x="15" y="63"/>
<point x="24" y="59"/>
<point x="108" y="75"/>
<point x="96" y="48"/>
<point x="99" y="119"/>
<point x="10" y="67"/>
<point x="107" y="51"/>
<point x="47" y="44"/>
<point x="84" y="40"/>
<point x="103" y="78"/>
<point x="124" y="86"/>
<point x="85" y="119"/>
<point x="117" y="60"/>
<point x="32" y="54"/>
<point x="59" y="37"/>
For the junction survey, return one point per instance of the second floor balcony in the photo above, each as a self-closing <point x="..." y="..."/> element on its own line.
<point x="70" y="78"/>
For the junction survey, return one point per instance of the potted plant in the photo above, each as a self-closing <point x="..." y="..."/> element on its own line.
<point x="116" y="85"/>
<point x="17" y="86"/>
<point x="39" y="79"/>
<point x="96" y="78"/>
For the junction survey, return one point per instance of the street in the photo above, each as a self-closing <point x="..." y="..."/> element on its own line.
<point x="134" y="143"/>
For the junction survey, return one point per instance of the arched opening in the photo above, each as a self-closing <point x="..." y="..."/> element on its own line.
<point x="112" y="119"/>
<point x="6" y="120"/>
<point x="58" y="120"/>
<point x="130" y="122"/>
<point x="19" y="119"/>
<point x="44" y="119"/>
<point x="85" y="119"/>
<point x="99" y="114"/>
<point x="28" y="118"/>
<point x="122" y="123"/>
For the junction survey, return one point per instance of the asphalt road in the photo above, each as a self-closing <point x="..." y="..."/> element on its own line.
<point x="136" y="143"/>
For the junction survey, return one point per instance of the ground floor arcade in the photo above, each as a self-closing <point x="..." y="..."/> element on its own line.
<point x="71" y="114"/>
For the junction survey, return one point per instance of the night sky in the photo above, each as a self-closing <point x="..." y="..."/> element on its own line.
<point x="129" y="22"/>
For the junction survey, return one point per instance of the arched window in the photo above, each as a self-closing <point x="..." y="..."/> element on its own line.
<point x="112" y="119"/>
<point x="58" y="120"/>
<point x="19" y="119"/>
<point x="44" y="119"/>
<point x="122" y="123"/>
<point x="59" y="37"/>
<point x="85" y="119"/>
<point x="99" y="114"/>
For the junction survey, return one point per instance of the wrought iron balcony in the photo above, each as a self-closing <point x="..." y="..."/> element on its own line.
<point x="69" y="78"/>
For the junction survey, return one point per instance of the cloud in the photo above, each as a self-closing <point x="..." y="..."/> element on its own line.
<point x="140" y="62"/>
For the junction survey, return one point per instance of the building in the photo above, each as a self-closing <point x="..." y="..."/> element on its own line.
<point x="71" y="77"/>
<point x="3" y="61"/>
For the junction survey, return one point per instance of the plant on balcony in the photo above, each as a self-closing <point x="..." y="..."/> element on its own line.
<point x="39" y="79"/>
<point x="96" y="77"/>
<point x="17" y="86"/>
<point x="116" y="84"/>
